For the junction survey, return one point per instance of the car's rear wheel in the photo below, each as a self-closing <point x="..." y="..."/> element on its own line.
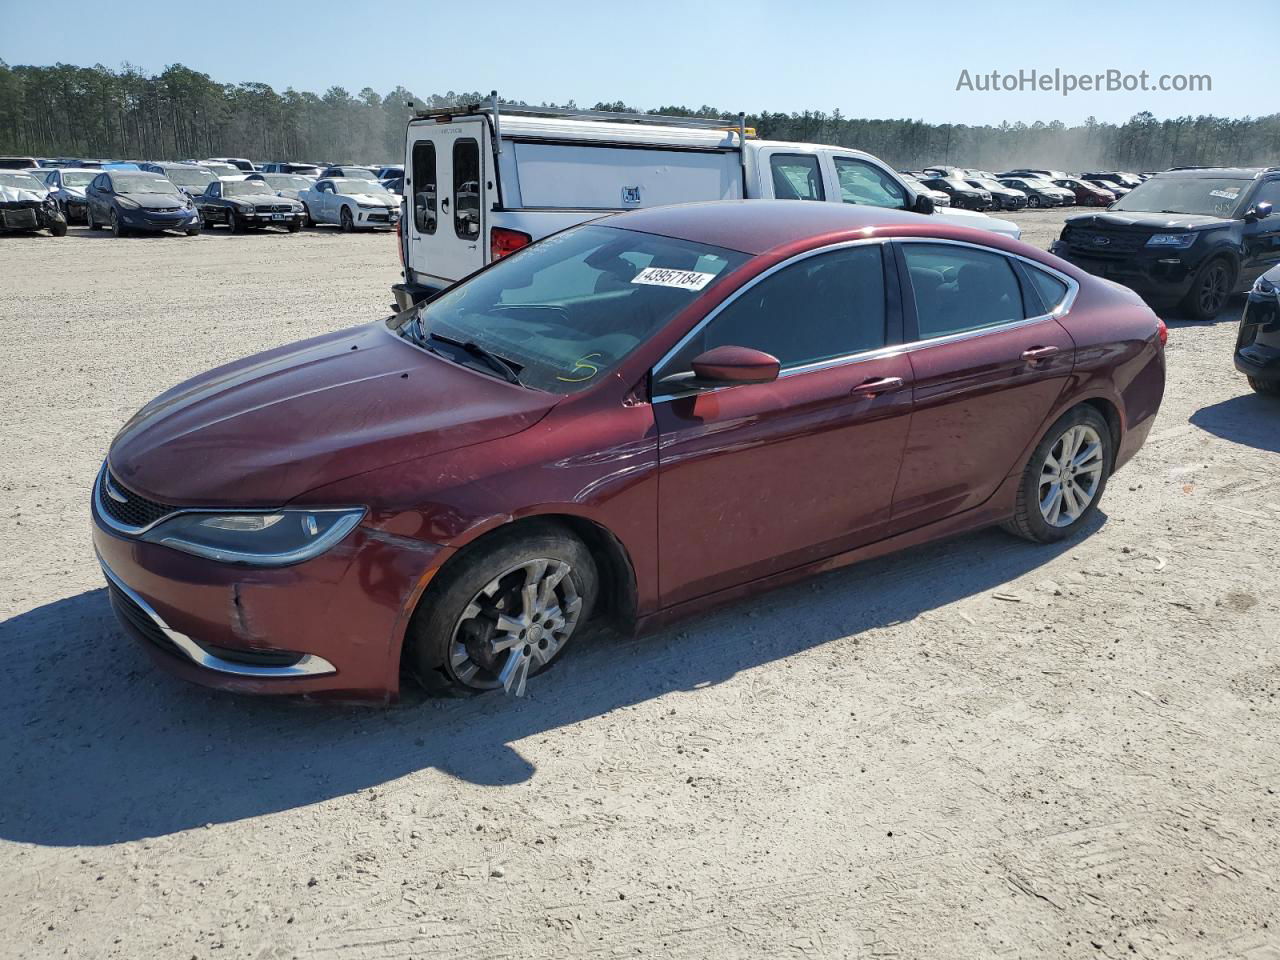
<point x="1210" y="290"/>
<point x="503" y="612"/>
<point x="1065" y="477"/>
<point x="346" y="221"/>
<point x="309" y="220"/>
<point x="1270" y="388"/>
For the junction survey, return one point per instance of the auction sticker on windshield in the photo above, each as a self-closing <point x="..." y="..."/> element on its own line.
<point x="664" y="277"/>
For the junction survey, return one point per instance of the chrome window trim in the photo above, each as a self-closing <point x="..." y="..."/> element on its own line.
<point x="1073" y="288"/>
<point x="308" y="665"/>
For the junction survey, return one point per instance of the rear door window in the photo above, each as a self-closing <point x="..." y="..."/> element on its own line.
<point x="959" y="289"/>
<point x="424" y="186"/>
<point x="1051" y="291"/>
<point x="796" y="177"/>
<point x="466" y="188"/>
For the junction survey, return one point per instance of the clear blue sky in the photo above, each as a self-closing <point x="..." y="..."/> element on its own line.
<point x="873" y="60"/>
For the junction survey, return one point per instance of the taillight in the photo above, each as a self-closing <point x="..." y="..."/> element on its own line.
<point x="1163" y="331"/>
<point x="503" y="241"/>
<point x="400" y="239"/>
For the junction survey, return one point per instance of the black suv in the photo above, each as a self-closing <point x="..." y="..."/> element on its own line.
<point x="1258" y="343"/>
<point x="962" y="195"/>
<point x="1188" y="237"/>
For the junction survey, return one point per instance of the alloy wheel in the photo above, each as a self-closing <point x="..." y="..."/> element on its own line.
<point x="1071" y="475"/>
<point x="516" y="624"/>
<point x="1213" y="289"/>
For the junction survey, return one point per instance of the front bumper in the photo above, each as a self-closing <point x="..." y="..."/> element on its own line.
<point x="146" y="220"/>
<point x="332" y="626"/>
<point x="27" y="215"/>
<point x="1160" y="277"/>
<point x="377" y="218"/>
<point x="1258" y="342"/>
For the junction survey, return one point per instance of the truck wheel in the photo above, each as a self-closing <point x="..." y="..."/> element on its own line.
<point x="1210" y="290"/>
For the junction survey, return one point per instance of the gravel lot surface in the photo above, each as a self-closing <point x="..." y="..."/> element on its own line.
<point x="980" y="748"/>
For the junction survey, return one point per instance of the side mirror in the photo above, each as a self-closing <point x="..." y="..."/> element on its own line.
<point x="729" y="365"/>
<point x="1260" y="212"/>
<point x="924" y="204"/>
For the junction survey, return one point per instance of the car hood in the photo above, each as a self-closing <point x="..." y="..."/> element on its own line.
<point x="971" y="218"/>
<point x="156" y="201"/>
<point x="15" y="194"/>
<point x="1153" y="221"/>
<point x="267" y="196"/>
<point x="374" y="198"/>
<point x="77" y="192"/>
<point x="263" y="430"/>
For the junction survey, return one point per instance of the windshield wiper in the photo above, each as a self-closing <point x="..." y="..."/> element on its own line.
<point x="507" y="369"/>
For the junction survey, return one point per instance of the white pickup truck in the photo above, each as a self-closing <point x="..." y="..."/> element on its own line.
<point x="486" y="179"/>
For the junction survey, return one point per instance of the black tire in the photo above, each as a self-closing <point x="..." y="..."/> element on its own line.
<point x="1033" y="201"/>
<point x="233" y="222"/>
<point x="1028" y="520"/>
<point x="346" y="221"/>
<point x="430" y="637"/>
<point x="1269" y="388"/>
<point x="118" y="229"/>
<point x="309" y="220"/>
<point x="193" y="231"/>
<point x="58" y="229"/>
<point x="294" y="226"/>
<point x="1210" y="290"/>
<point x="88" y="217"/>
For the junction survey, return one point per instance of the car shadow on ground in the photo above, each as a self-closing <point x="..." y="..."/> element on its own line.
<point x="1250" y="419"/>
<point x="1230" y="313"/>
<point x="102" y="747"/>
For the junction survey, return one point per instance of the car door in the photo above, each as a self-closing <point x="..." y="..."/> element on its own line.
<point x="755" y="479"/>
<point x="989" y="360"/>
<point x="1262" y="236"/>
<point x="328" y="201"/>
<point x="864" y="183"/>
<point x="786" y="175"/>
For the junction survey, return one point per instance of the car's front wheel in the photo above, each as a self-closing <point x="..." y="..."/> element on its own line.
<point x="1210" y="290"/>
<point x="1033" y="201"/>
<point x="58" y="228"/>
<point x="118" y="229"/>
<point x="502" y="612"/>
<point x="1065" y="477"/>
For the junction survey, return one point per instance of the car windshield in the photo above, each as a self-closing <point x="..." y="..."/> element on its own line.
<point x="564" y="312"/>
<point x="141" y="183"/>
<point x="1038" y="184"/>
<point x="987" y="184"/>
<point x="77" y="178"/>
<point x="359" y="186"/>
<point x="189" y="178"/>
<point x="359" y="173"/>
<point x="1208" y="196"/>
<point x="955" y="183"/>
<point x="23" y="181"/>
<point x="286" y="181"/>
<point x="243" y="188"/>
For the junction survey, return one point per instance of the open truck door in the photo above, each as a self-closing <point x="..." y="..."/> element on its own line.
<point x="447" y="183"/>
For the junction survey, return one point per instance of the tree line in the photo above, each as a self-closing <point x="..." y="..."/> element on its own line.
<point x="66" y="110"/>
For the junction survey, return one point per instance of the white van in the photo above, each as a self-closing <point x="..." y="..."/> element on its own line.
<point x="484" y="180"/>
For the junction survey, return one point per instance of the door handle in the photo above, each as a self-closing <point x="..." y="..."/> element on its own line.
<point x="1036" y="354"/>
<point x="876" y="386"/>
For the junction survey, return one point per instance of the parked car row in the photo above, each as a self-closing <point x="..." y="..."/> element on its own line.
<point x="983" y="190"/>
<point x="152" y="197"/>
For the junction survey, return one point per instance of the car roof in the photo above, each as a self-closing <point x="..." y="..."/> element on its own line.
<point x="1204" y="173"/>
<point x="755" y="226"/>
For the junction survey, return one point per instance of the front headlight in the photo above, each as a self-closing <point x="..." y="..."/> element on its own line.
<point x="128" y="204"/>
<point x="1264" y="286"/>
<point x="368" y="206"/>
<point x="1174" y="241"/>
<point x="274" y="539"/>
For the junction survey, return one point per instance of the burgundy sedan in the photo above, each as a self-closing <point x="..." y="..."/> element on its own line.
<point x="630" y="420"/>
<point x="1087" y="194"/>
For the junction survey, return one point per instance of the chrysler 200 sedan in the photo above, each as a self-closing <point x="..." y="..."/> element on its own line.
<point x="628" y="421"/>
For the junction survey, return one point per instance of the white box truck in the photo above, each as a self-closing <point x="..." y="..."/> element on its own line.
<point x="484" y="179"/>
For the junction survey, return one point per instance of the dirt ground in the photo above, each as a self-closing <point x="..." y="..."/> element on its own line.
<point x="980" y="748"/>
